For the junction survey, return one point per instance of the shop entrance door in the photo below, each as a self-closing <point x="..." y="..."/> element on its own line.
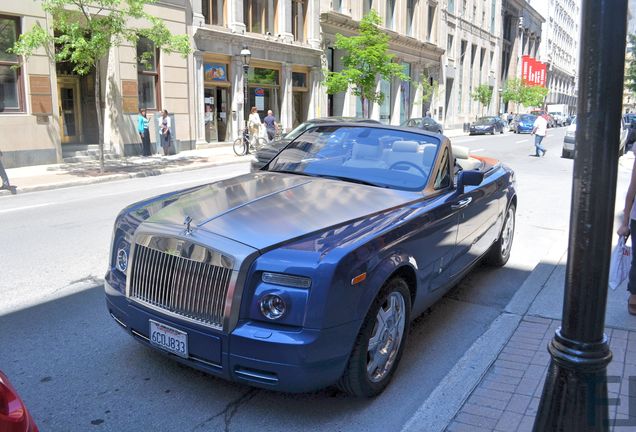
<point x="215" y="116"/>
<point x="68" y="105"/>
<point x="300" y="112"/>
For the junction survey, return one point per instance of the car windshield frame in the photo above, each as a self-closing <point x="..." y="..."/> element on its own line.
<point x="485" y="121"/>
<point x="361" y="154"/>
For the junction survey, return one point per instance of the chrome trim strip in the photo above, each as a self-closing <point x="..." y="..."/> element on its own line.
<point x="118" y="321"/>
<point x="139" y="335"/>
<point x="256" y="375"/>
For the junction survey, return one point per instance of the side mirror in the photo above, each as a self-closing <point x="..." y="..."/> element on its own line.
<point x="469" y="178"/>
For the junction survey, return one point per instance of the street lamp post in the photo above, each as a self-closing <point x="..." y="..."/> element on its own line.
<point x="247" y="55"/>
<point x="574" y="395"/>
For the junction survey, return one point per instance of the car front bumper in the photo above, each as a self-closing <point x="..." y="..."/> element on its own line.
<point x="271" y="357"/>
<point x="569" y="143"/>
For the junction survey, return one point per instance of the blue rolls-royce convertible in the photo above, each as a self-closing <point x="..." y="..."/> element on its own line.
<point x="306" y="273"/>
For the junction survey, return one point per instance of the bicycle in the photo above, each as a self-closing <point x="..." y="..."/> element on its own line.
<point x="247" y="143"/>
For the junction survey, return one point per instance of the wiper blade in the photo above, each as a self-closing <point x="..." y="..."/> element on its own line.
<point x="351" y="180"/>
<point x="293" y="172"/>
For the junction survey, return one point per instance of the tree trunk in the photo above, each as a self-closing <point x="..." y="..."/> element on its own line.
<point x="98" y="106"/>
<point x="365" y="108"/>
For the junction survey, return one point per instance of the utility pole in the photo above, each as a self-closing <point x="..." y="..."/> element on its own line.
<point x="575" y="392"/>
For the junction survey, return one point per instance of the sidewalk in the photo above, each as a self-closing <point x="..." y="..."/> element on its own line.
<point x="497" y="385"/>
<point x="45" y="177"/>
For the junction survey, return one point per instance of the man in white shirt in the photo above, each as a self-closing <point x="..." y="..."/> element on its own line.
<point x="539" y="129"/>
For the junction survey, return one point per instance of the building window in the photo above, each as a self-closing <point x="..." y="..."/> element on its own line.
<point x="390" y="14"/>
<point x="214" y="11"/>
<point x="10" y="79"/>
<point x="366" y="6"/>
<point x="147" y="74"/>
<point x="410" y="16"/>
<point x="299" y="15"/>
<point x="493" y="13"/>
<point x="451" y="6"/>
<point x="259" y="15"/>
<point x="449" y="46"/>
<point x="431" y="22"/>
<point x="337" y="5"/>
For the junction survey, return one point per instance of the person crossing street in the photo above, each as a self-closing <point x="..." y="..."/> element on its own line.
<point x="539" y="130"/>
<point x="5" y="179"/>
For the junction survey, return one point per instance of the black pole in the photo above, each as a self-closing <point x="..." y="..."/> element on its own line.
<point x="246" y="102"/>
<point x="575" y="392"/>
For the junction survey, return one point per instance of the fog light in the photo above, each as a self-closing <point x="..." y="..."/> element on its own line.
<point x="272" y="306"/>
<point x="121" y="259"/>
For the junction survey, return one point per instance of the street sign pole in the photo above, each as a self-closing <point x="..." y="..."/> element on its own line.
<point x="575" y="392"/>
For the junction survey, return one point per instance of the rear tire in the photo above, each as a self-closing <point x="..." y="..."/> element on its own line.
<point x="380" y="342"/>
<point x="499" y="252"/>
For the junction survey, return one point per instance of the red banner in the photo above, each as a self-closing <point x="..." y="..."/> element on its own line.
<point x="533" y="72"/>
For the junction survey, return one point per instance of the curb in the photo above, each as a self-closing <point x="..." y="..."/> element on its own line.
<point x="443" y="404"/>
<point x="439" y="409"/>
<point x="115" y="177"/>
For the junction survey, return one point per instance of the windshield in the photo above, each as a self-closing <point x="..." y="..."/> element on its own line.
<point x="376" y="156"/>
<point x="527" y="118"/>
<point x="297" y="131"/>
<point x="485" y="120"/>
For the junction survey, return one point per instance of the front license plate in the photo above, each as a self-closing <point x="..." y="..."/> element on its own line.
<point x="169" y="339"/>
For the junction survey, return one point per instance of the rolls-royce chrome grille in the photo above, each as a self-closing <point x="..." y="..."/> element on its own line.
<point x="187" y="286"/>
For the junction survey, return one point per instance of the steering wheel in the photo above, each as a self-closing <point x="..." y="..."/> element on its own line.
<point x="408" y="164"/>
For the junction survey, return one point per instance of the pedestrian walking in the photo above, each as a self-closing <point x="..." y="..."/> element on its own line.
<point x="511" y="117"/>
<point x="166" y="132"/>
<point x="627" y="227"/>
<point x="539" y="130"/>
<point x="270" y="125"/>
<point x="5" y="179"/>
<point x="143" y="127"/>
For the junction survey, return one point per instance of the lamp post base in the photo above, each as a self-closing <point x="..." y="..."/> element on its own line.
<point x="578" y="375"/>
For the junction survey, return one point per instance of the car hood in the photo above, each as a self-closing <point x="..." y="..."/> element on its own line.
<point x="263" y="209"/>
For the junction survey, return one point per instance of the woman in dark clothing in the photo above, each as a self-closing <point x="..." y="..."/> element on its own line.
<point x="143" y="129"/>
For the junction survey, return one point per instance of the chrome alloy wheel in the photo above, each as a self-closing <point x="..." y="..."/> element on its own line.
<point x="386" y="338"/>
<point x="508" y="232"/>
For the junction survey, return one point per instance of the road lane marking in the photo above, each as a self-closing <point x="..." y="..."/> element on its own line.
<point x="520" y="141"/>
<point x="25" y="207"/>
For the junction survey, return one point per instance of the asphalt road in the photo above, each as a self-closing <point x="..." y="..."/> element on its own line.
<point x="77" y="371"/>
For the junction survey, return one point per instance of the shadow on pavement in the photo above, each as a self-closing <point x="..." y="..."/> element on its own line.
<point x="77" y="369"/>
<point x="126" y="166"/>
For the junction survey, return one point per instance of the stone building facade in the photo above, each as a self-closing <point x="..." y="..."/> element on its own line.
<point x="284" y="75"/>
<point x="48" y="112"/>
<point x="413" y="27"/>
<point x="521" y="35"/>
<point x="560" y="48"/>
<point x="470" y="32"/>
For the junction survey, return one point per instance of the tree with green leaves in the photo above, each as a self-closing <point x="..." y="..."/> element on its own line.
<point x="429" y="88"/>
<point x="366" y="59"/>
<point x="533" y="96"/>
<point x="84" y="32"/>
<point x="512" y="91"/>
<point x="483" y="95"/>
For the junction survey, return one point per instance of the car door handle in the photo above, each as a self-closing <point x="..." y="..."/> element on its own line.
<point x="462" y="203"/>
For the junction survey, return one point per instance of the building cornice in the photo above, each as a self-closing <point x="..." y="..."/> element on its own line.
<point x="334" y="22"/>
<point x="252" y="40"/>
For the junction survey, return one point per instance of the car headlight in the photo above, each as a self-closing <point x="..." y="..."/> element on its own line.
<point x="121" y="257"/>
<point x="272" y="306"/>
<point x="286" y="280"/>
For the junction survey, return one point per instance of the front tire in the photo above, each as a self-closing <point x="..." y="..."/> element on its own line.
<point x="380" y="342"/>
<point x="239" y="147"/>
<point x="499" y="252"/>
